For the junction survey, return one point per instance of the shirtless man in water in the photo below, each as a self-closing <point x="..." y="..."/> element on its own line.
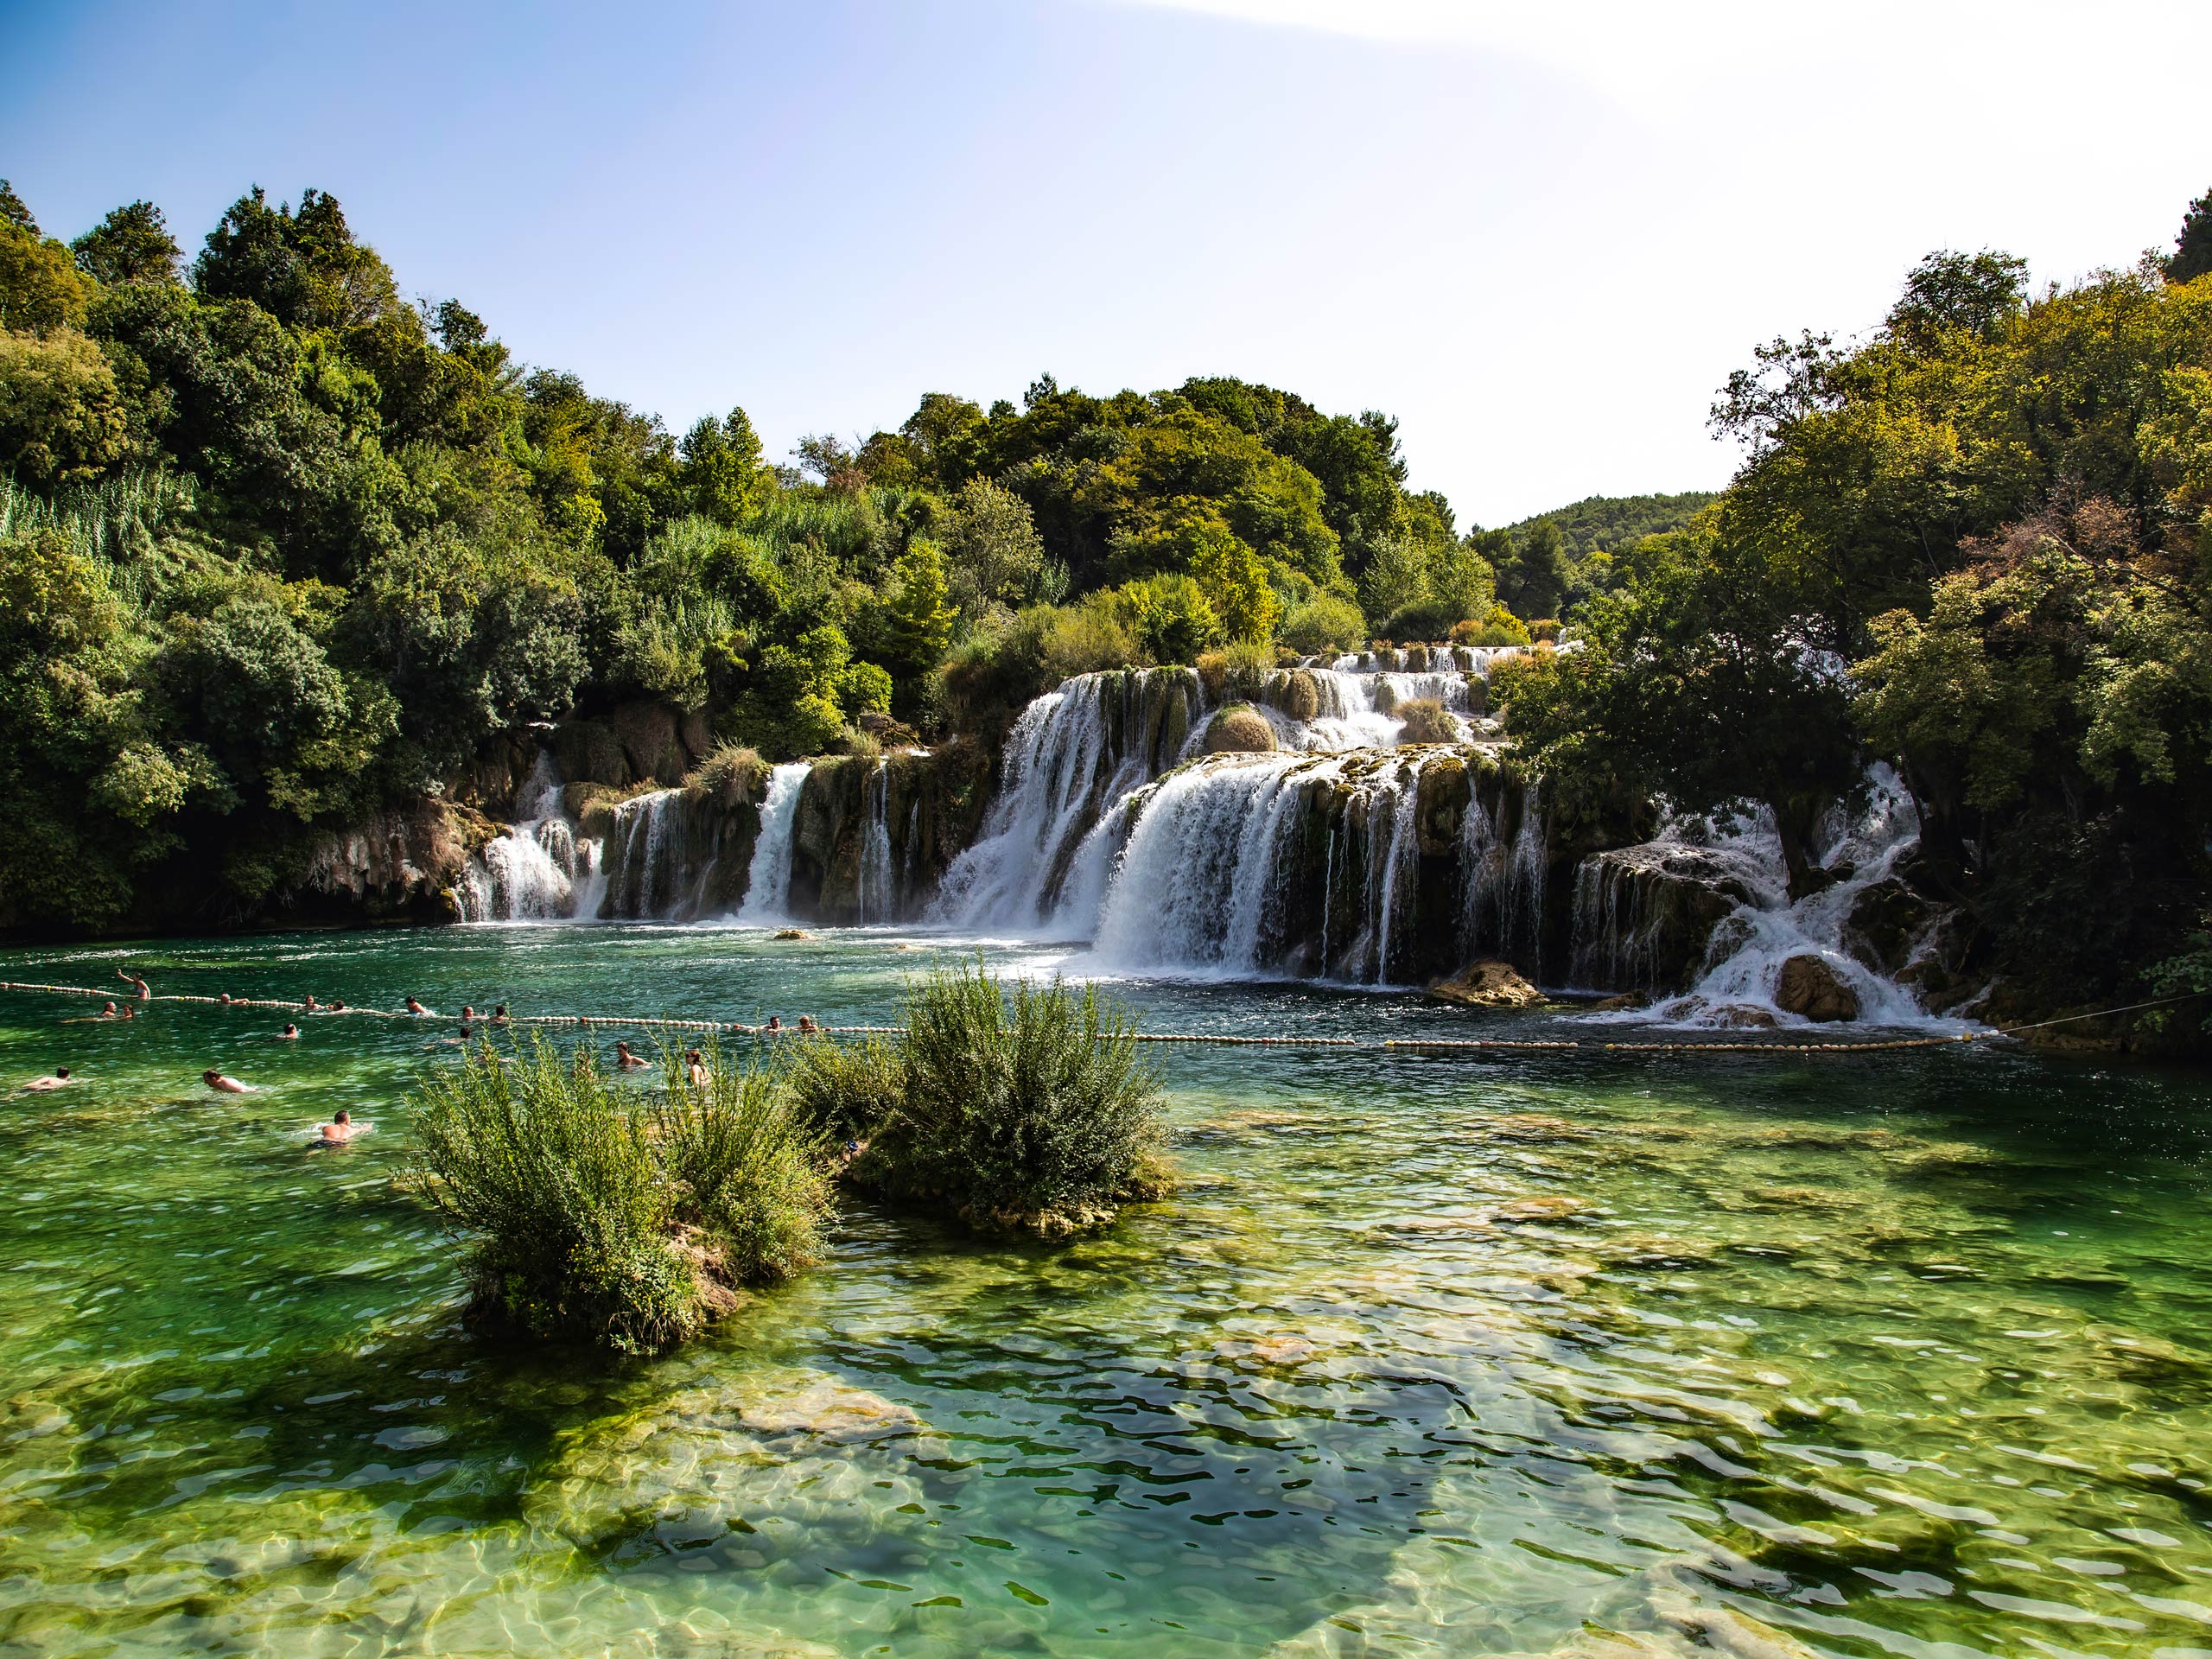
<point x="625" y="1061"/>
<point x="42" y="1085"/>
<point x="340" y="1129"/>
<point x="414" y="1007"/>
<point x="289" y="1034"/>
<point x="223" y="1085"/>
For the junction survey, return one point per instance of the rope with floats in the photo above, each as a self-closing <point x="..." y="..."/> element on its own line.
<point x="1218" y="1039"/>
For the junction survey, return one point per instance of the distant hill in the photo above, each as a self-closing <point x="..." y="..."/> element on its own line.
<point x="1610" y="521"/>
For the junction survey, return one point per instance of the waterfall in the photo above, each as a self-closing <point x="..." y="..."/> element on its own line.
<point x="541" y="869"/>
<point x="1636" y="905"/>
<point x="1073" y="754"/>
<point x="768" y="887"/>
<point x="878" y="891"/>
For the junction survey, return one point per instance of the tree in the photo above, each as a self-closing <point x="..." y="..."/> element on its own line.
<point x="917" y="620"/>
<point x="40" y="289"/>
<point x="132" y="244"/>
<point x="994" y="554"/>
<point x="1532" y="580"/>
<point x="1234" y="582"/>
<point x="1973" y="292"/>
<point x="2192" y="254"/>
<point x="722" y="473"/>
<point x="61" y="417"/>
<point x="306" y="268"/>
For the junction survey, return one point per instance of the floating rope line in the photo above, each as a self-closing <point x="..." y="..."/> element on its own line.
<point x="1413" y="1045"/>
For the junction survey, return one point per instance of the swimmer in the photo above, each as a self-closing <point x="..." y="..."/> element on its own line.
<point x="340" y="1129"/>
<point x="775" y="1023"/>
<point x="468" y="1014"/>
<point x="223" y="1085"/>
<point x="806" y="1023"/>
<point x="695" y="1068"/>
<point x="336" y="1006"/>
<point x="499" y="1014"/>
<point x="107" y="1013"/>
<point x="625" y="1061"/>
<point x="44" y="1086"/>
<point x="449" y="1042"/>
<point x="311" y="1005"/>
<point x="225" y="999"/>
<point x="289" y="1034"/>
<point x="413" y="1006"/>
<point x="130" y="1014"/>
<point x="138" y="985"/>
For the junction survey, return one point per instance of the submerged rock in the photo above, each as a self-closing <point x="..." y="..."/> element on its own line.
<point x="1811" y="987"/>
<point x="1488" y="985"/>
<point x="711" y="1456"/>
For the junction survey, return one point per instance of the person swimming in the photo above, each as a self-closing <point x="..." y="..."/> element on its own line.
<point x="468" y="1014"/>
<point x="60" y="1079"/>
<point x="138" y="985"/>
<point x="414" y="1007"/>
<point x="336" y="1006"/>
<point x="695" y="1068"/>
<point x="625" y="1061"/>
<point x="311" y="1005"/>
<point x="340" y="1129"/>
<point x="806" y="1023"/>
<point x="225" y="999"/>
<point x="499" y="1014"/>
<point x="223" y="1085"/>
<point x="775" y="1023"/>
<point x="289" y="1034"/>
<point x="130" y="1014"/>
<point x="107" y="1013"/>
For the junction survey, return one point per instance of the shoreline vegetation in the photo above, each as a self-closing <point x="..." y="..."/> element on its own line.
<point x="297" y="577"/>
<point x="592" y="1210"/>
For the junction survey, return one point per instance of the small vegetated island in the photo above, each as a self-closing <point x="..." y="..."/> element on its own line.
<point x="597" y="1210"/>
<point x="319" y="606"/>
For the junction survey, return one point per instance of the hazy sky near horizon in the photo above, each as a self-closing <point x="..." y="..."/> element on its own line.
<point x="1541" y="237"/>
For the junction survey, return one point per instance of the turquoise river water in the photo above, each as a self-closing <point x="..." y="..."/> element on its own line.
<point x="1551" y="1355"/>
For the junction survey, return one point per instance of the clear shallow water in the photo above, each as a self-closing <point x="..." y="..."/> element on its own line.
<point x="1903" y="1354"/>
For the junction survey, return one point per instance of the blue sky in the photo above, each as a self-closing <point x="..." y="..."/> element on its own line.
<point x="1539" y="237"/>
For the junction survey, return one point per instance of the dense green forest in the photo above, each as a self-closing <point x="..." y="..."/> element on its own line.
<point x="1976" y="544"/>
<point x="278" y="547"/>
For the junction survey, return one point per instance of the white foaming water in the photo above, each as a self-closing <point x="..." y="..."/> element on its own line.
<point x="877" y="895"/>
<point x="768" y="883"/>
<point x="541" y="869"/>
<point x="1212" y="879"/>
<point x="1744" y="963"/>
<point x="1070" y="757"/>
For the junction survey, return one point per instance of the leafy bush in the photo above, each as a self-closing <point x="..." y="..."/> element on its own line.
<point x="741" y="1155"/>
<point x="1428" y="619"/>
<point x="1169" y="617"/>
<point x="589" y="1213"/>
<point x="1500" y="627"/>
<point x="1326" y="622"/>
<point x="1023" y="1108"/>
<point x="1240" y="669"/>
<point x="848" y="1091"/>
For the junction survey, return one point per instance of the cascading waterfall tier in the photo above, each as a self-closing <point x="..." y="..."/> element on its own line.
<point x="1707" y="905"/>
<point x="542" y="869"/>
<point x="768" y="881"/>
<point x="1368" y="867"/>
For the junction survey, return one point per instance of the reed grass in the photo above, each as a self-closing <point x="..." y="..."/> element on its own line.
<point x="589" y="1211"/>
<point x="1015" y="1108"/>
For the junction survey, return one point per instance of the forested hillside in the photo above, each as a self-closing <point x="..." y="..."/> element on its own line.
<point x="279" y="547"/>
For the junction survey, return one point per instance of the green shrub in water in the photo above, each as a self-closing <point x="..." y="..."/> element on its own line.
<point x="1022" y="1108"/>
<point x="847" y="1091"/>
<point x="590" y="1212"/>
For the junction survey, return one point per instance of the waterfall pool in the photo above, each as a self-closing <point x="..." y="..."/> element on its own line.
<point x="1757" y="1354"/>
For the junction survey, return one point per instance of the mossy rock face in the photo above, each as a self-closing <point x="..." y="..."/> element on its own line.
<point x="590" y="751"/>
<point x="648" y="734"/>
<point x="1240" y="729"/>
<point x="1427" y="722"/>
<point x="1298" y="695"/>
